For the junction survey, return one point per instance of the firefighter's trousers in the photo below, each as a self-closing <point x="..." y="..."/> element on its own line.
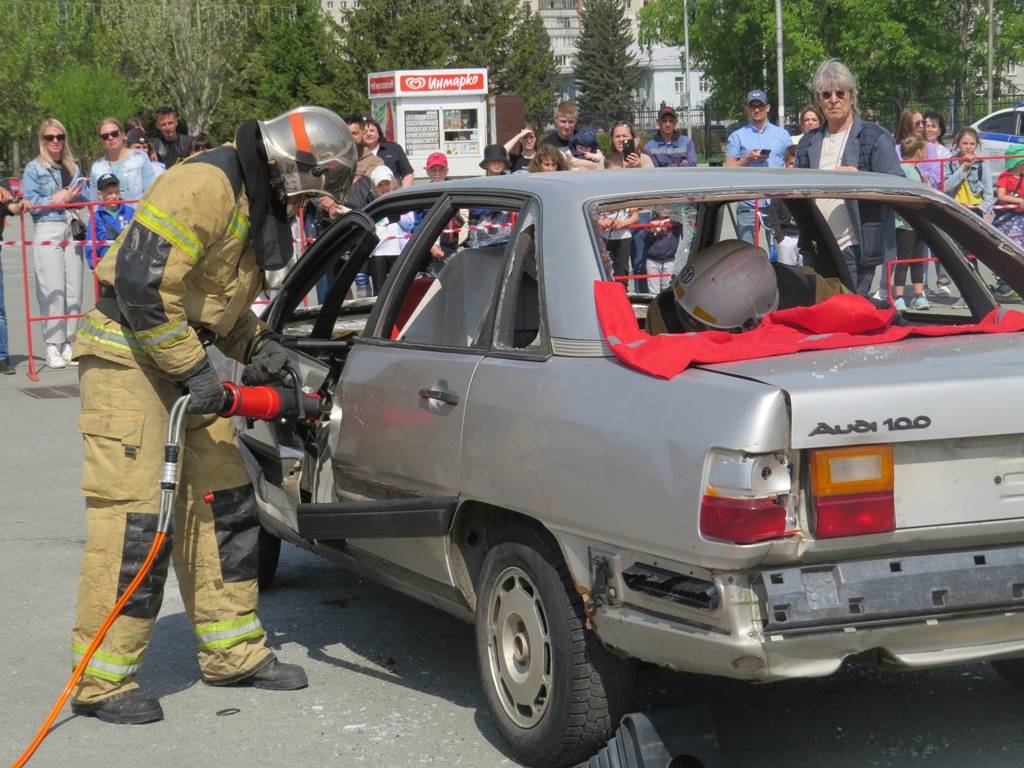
<point x="125" y="412"/>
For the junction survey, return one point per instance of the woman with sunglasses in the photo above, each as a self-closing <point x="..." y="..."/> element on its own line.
<point x="53" y="178"/>
<point x="132" y="167"/>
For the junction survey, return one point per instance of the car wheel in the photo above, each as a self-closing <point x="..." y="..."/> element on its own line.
<point x="1011" y="670"/>
<point x="555" y="693"/>
<point x="269" y="554"/>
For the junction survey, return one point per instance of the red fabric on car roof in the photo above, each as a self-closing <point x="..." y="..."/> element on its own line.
<point x="841" y="321"/>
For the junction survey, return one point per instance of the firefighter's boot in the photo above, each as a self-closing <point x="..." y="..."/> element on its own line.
<point x="272" y="675"/>
<point x="129" y="708"/>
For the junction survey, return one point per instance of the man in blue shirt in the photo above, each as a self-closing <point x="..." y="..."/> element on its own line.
<point x="668" y="148"/>
<point x="758" y="144"/>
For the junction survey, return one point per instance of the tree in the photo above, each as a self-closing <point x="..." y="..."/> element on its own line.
<point x="606" y="71"/>
<point x="397" y="34"/>
<point x="188" y="48"/>
<point x="80" y="95"/>
<point x="529" y="70"/>
<point x="895" y="48"/>
<point x="296" y="60"/>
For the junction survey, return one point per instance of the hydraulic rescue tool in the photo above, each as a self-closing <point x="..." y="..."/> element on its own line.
<point x="264" y="403"/>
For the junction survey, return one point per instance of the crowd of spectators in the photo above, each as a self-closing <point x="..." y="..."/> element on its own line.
<point x="74" y="217"/>
<point x="643" y="244"/>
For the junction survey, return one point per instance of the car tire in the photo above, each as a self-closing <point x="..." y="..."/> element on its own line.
<point x="555" y="693"/>
<point x="269" y="549"/>
<point x="1011" y="670"/>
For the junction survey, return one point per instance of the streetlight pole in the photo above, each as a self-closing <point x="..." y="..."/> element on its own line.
<point x="686" y="59"/>
<point x="778" y="63"/>
<point x="990" y="25"/>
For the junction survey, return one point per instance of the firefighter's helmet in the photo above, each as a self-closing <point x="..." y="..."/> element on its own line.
<point x="313" y="151"/>
<point x="729" y="286"/>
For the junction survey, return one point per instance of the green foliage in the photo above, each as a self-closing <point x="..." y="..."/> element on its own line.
<point x="81" y="95"/>
<point x="895" y="48"/>
<point x="505" y="36"/>
<point x="529" y="69"/>
<point x="296" y="60"/>
<point x="382" y="35"/>
<point x="606" y="72"/>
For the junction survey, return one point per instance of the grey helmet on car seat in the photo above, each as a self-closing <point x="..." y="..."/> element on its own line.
<point x="730" y="286"/>
<point x="312" y="150"/>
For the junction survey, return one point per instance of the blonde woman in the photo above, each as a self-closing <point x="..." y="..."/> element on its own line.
<point x="53" y="178"/>
<point x="133" y="170"/>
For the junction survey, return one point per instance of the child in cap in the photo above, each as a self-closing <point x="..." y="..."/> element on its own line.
<point x="437" y="166"/>
<point x="583" y="146"/>
<point x="107" y="220"/>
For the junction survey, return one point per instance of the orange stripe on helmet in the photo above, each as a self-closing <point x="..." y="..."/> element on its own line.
<point x="299" y="132"/>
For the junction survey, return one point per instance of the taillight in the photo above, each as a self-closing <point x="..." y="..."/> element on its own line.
<point x="742" y="521"/>
<point x="853" y="491"/>
<point x="745" y="497"/>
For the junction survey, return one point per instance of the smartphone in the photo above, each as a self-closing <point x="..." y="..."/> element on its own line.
<point x="628" y="148"/>
<point x="765" y="153"/>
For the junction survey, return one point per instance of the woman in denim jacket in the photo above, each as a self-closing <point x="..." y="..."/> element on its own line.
<point x="132" y="167"/>
<point x="974" y="175"/>
<point x="53" y="178"/>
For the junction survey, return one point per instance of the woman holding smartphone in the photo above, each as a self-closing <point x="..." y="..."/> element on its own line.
<point x="53" y="178"/>
<point x="624" y="142"/>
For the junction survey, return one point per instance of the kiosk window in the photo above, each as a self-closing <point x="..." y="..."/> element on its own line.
<point x="461" y="135"/>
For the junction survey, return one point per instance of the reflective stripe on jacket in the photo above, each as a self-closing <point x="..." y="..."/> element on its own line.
<point x="182" y="263"/>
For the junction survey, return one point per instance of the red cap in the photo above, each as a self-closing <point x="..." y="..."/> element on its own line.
<point x="436" y="158"/>
<point x="208" y="497"/>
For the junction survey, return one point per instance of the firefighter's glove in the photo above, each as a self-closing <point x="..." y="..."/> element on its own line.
<point x="206" y="390"/>
<point x="267" y="364"/>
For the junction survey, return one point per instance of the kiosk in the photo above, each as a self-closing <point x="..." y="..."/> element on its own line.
<point x="433" y="110"/>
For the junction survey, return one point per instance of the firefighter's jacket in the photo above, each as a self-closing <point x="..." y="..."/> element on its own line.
<point x="182" y="268"/>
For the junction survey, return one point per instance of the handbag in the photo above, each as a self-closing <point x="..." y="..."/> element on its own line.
<point x="76" y="228"/>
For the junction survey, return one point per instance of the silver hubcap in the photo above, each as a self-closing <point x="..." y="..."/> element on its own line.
<point x="519" y="647"/>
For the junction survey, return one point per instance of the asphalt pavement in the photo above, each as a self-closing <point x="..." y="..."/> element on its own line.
<point x="392" y="682"/>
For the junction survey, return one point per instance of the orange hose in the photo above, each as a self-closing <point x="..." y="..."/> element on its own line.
<point x="44" y="729"/>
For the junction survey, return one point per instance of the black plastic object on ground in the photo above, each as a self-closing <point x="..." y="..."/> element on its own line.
<point x="661" y="738"/>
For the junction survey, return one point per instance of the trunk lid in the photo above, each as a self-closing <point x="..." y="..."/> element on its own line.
<point x="948" y="406"/>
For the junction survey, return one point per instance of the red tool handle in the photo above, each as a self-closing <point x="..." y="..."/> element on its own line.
<point x="269" y="403"/>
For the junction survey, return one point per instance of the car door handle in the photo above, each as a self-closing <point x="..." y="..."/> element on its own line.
<point x="440" y="394"/>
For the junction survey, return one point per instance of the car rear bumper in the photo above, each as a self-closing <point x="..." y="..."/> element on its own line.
<point x="912" y="612"/>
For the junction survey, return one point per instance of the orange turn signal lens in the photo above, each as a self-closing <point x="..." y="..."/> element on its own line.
<point x="854" y="469"/>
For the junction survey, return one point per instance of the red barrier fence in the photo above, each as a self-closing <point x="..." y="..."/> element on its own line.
<point x="24" y="243"/>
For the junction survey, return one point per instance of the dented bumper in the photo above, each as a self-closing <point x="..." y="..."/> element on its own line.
<point x="912" y="611"/>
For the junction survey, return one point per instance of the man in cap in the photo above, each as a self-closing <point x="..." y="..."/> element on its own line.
<point x="669" y="148"/>
<point x="758" y="144"/>
<point x="183" y="275"/>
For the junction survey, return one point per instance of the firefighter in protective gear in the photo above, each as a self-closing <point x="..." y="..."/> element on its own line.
<point x="183" y="274"/>
<point x="731" y="286"/>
